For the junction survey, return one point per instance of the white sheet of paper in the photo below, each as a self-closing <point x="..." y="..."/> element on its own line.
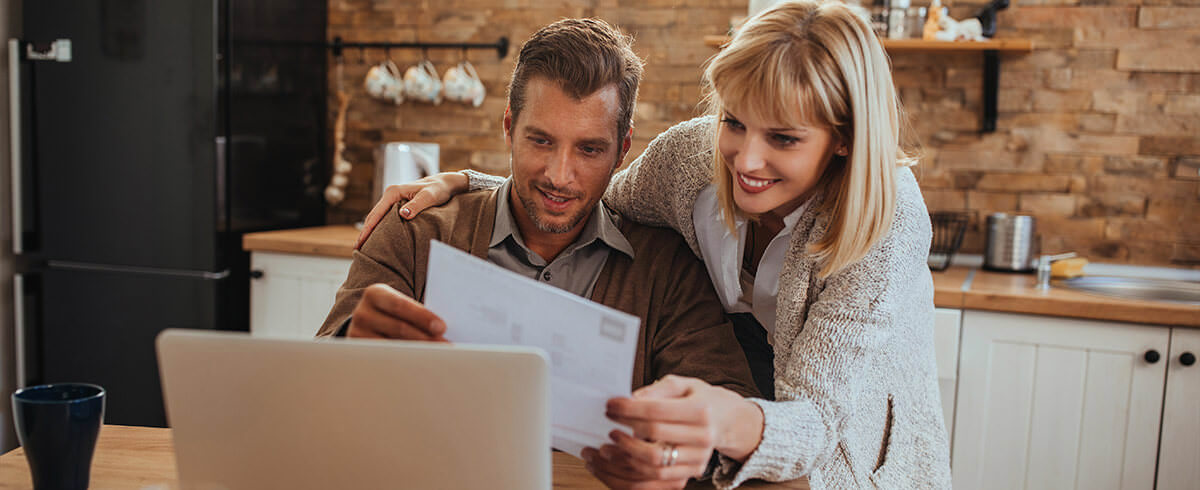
<point x="590" y="346"/>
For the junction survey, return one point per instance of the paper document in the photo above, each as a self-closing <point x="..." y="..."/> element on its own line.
<point x="590" y="346"/>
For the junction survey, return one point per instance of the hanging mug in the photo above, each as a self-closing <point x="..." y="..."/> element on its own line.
<point x="383" y="82"/>
<point x="421" y="83"/>
<point x="462" y="84"/>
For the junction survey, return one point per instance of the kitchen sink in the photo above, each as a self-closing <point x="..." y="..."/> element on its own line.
<point x="1175" y="291"/>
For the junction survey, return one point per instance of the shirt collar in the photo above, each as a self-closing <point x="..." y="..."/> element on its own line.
<point x="790" y="220"/>
<point x="603" y="226"/>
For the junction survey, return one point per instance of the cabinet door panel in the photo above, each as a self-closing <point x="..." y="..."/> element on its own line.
<point x="316" y="299"/>
<point x="294" y="294"/>
<point x="1179" y="463"/>
<point x="1054" y="437"/>
<point x="1007" y="415"/>
<point x="1105" y="412"/>
<point x="1049" y="402"/>
<point x="273" y="304"/>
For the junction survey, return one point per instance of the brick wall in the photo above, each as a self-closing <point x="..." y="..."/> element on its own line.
<point x="669" y="36"/>
<point x="1098" y="134"/>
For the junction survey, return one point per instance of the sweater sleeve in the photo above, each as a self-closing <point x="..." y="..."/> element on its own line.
<point x="659" y="187"/>
<point x="386" y="257"/>
<point x="480" y="181"/>
<point x="848" y="325"/>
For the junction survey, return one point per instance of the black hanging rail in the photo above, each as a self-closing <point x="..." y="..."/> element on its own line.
<point x="338" y="46"/>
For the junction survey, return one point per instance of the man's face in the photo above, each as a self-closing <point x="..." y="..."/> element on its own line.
<point x="563" y="151"/>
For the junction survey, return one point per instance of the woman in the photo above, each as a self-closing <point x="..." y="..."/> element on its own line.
<point x="810" y="223"/>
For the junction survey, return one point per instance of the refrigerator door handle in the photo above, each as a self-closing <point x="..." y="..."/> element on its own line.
<point x="19" y="327"/>
<point x="59" y="50"/>
<point x="128" y="269"/>
<point x="14" y="134"/>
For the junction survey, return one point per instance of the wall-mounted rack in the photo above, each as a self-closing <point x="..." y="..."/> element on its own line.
<point x="338" y="46"/>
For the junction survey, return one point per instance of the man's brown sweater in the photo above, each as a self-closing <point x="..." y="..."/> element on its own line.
<point x="684" y="330"/>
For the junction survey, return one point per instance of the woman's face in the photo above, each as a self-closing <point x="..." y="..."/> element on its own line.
<point x="774" y="168"/>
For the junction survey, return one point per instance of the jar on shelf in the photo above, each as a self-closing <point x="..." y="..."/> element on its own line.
<point x="915" y="19"/>
<point x="897" y="19"/>
<point x="879" y="17"/>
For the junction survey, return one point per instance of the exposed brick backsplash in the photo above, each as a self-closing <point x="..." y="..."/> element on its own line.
<point x="1098" y="134"/>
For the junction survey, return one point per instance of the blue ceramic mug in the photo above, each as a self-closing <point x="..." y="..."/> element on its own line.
<point x="57" y="425"/>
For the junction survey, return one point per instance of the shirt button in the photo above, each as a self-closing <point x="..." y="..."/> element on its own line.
<point x="546" y="275"/>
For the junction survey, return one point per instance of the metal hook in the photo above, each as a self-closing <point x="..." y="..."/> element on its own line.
<point x="502" y="47"/>
<point x="337" y="46"/>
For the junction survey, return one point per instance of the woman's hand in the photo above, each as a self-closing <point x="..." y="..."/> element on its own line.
<point x="433" y="190"/>
<point x="682" y="415"/>
<point x="645" y="466"/>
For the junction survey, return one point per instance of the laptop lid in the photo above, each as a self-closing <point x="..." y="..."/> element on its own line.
<point x="258" y="413"/>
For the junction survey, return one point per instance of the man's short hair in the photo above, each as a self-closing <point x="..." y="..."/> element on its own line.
<point x="583" y="56"/>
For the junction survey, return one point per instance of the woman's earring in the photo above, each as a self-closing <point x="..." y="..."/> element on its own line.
<point x="841" y="152"/>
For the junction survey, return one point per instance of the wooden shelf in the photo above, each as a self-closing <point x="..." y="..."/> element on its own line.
<point x="917" y="45"/>
<point x="1008" y="45"/>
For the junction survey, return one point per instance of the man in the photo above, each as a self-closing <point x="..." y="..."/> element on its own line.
<point x="568" y="127"/>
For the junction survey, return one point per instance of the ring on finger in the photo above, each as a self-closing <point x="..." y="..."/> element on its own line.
<point x="670" y="454"/>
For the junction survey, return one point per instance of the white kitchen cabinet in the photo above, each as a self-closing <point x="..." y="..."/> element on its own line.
<point x="294" y="293"/>
<point x="946" y="326"/>
<point x="1179" y="453"/>
<point x="1047" y="402"/>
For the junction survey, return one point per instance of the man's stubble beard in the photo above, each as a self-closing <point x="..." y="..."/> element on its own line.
<point x="531" y="209"/>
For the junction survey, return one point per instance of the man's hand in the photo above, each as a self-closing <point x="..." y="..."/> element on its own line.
<point x="384" y="313"/>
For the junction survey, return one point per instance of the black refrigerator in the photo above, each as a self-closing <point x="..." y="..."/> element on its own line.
<point x="149" y="136"/>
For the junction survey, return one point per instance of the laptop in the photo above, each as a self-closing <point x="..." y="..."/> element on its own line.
<point x="259" y="413"/>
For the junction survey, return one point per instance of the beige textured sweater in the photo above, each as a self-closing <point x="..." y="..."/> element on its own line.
<point x="858" y="402"/>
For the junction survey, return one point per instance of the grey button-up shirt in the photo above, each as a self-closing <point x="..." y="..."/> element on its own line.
<point x="577" y="268"/>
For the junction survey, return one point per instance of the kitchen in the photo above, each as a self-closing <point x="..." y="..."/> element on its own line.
<point x="1094" y="136"/>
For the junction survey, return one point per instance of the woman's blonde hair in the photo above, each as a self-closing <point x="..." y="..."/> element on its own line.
<point x="817" y="63"/>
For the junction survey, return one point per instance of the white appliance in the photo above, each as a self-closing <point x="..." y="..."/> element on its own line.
<point x="401" y="162"/>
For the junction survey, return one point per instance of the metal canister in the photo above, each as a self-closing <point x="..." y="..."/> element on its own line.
<point x="1012" y="243"/>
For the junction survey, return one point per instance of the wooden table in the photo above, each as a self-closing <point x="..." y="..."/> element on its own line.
<point x="144" y="458"/>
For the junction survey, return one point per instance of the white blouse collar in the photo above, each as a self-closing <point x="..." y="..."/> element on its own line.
<point x="722" y="252"/>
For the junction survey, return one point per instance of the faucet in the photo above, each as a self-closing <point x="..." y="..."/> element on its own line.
<point x="1043" y="270"/>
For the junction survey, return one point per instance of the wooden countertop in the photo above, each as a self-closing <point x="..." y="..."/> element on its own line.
<point x="948" y="287"/>
<point x="993" y="291"/>
<point x="144" y="457"/>
<point x="328" y="241"/>
<point x="1018" y="293"/>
